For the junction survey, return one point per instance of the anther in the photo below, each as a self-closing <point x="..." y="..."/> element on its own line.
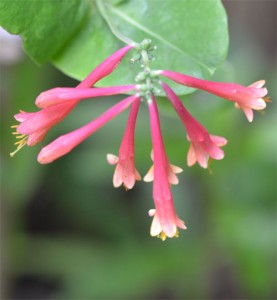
<point x="267" y="99"/>
<point x="20" y="136"/>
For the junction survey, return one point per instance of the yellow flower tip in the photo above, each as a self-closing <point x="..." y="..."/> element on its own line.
<point x="162" y="236"/>
<point x="267" y="99"/>
<point x="14" y="126"/>
<point x="20" y="136"/>
<point x="19" y="144"/>
<point x="12" y="154"/>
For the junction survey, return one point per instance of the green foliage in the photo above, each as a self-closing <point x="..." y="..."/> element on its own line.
<point x="67" y="224"/>
<point x="191" y="35"/>
<point x="46" y="26"/>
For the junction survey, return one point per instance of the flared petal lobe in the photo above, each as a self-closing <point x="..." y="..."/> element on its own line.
<point x="203" y="145"/>
<point x="35" y="125"/>
<point x="171" y="172"/>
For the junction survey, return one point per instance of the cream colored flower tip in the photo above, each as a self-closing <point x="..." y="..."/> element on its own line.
<point x="162" y="232"/>
<point x="112" y="159"/>
<point x="258" y="84"/>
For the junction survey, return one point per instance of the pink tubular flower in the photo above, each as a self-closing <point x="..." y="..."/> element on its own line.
<point x="61" y="95"/>
<point x="125" y="171"/>
<point x="171" y="172"/>
<point x="67" y="142"/>
<point x="202" y="145"/>
<point x="246" y="98"/>
<point x="105" y="68"/>
<point x="35" y="125"/>
<point x="165" y="221"/>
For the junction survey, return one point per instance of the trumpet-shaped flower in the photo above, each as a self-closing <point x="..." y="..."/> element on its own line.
<point x="57" y="104"/>
<point x="66" y="95"/>
<point x="171" y="172"/>
<point x="165" y="221"/>
<point x="125" y="171"/>
<point x="203" y="145"/>
<point x="247" y="98"/>
<point x="65" y="143"/>
<point x="35" y="125"/>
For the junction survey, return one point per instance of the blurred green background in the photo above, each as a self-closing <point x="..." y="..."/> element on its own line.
<point x="68" y="234"/>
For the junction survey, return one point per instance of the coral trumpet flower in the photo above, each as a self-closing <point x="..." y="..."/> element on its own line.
<point x="248" y="98"/>
<point x="203" y="145"/>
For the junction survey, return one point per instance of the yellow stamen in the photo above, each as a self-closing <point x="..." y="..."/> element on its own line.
<point x="20" y="136"/>
<point x="162" y="236"/>
<point x="19" y="144"/>
<point x="267" y="99"/>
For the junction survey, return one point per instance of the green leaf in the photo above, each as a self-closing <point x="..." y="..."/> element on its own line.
<point x="46" y="26"/>
<point x="191" y="36"/>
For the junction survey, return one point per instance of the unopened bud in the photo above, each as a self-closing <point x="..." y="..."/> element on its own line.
<point x="146" y="44"/>
<point x="135" y="58"/>
<point x="156" y="91"/>
<point x="140" y="77"/>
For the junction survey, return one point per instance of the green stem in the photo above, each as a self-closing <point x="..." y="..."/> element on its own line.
<point x="102" y="6"/>
<point x="145" y="60"/>
<point x="147" y="78"/>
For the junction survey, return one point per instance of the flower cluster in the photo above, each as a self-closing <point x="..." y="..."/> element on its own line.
<point x="57" y="103"/>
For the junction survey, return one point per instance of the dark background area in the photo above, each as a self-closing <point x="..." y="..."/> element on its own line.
<point x="68" y="234"/>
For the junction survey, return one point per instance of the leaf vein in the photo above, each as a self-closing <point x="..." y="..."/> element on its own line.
<point x="155" y="35"/>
